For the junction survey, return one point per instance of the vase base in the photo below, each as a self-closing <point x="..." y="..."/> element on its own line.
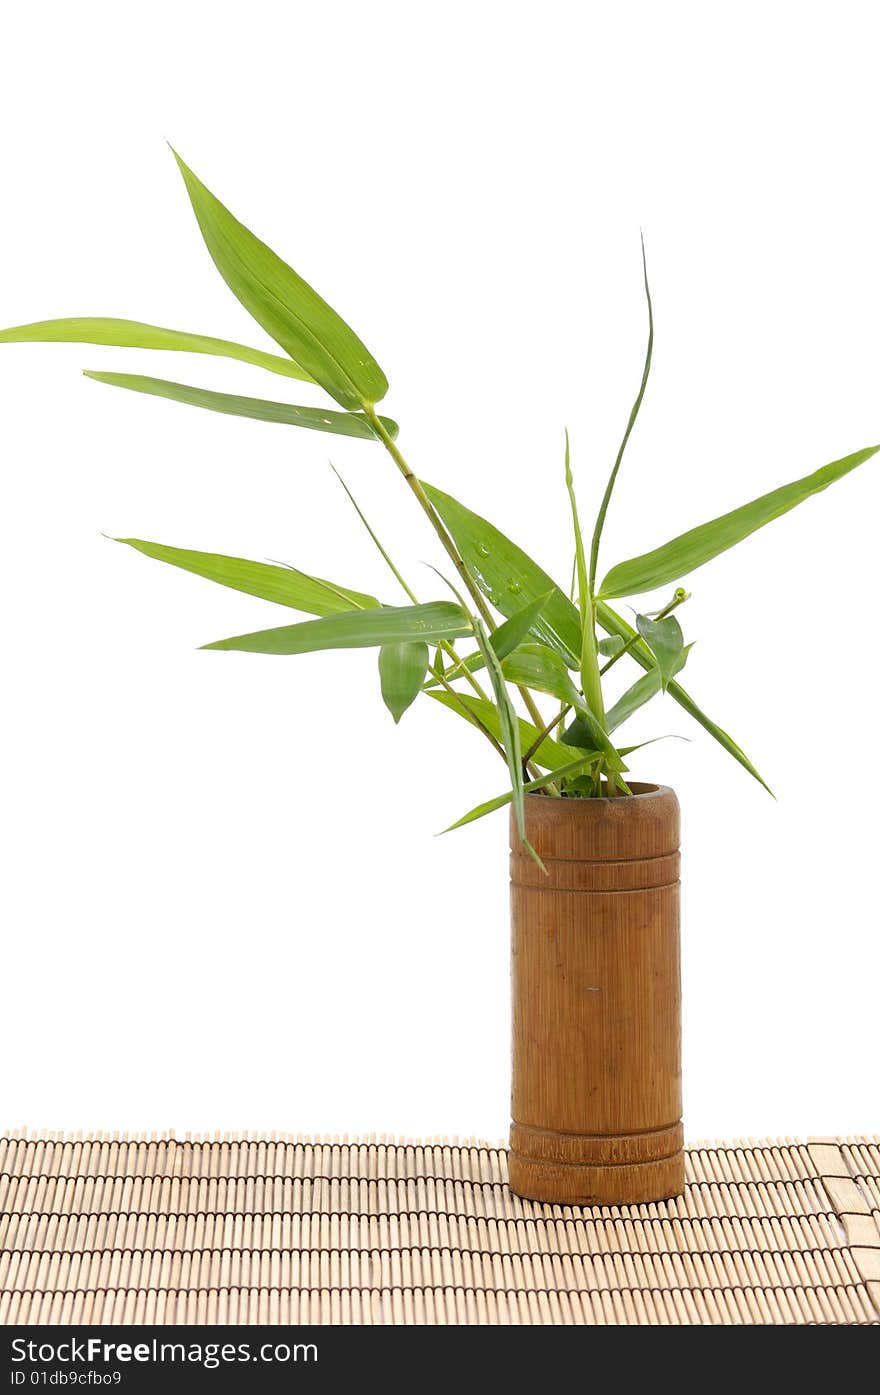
<point x="586" y="1170"/>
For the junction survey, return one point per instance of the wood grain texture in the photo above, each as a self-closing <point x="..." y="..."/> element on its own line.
<point x="283" y="1229"/>
<point x="596" y="1079"/>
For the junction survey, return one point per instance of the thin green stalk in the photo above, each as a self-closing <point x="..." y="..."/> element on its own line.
<point x="502" y="698"/>
<point x="446" y="539"/>
<point x="609" y="488"/>
<point x="449" y="649"/>
<point x="532" y="707"/>
<point x="542" y="735"/>
<point x="433" y="516"/>
<point x="358" y="510"/>
<point x="445" y="645"/>
<point x="461" y="665"/>
<point x="461" y="669"/>
<point x="471" y="716"/>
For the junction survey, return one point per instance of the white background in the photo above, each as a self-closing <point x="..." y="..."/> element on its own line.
<point x="223" y="903"/>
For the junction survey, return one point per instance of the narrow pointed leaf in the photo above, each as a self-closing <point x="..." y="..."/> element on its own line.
<point x="373" y="536"/>
<point x="721" y="736"/>
<point x="515" y="630"/>
<point x="529" y="788"/>
<point x="509" y="578"/>
<point x="258" y="408"/>
<point x="640" y="692"/>
<point x="580" y="561"/>
<point x="356" y="629"/>
<point x="285" y="305"/>
<point x="615" y="469"/>
<point x="500" y="802"/>
<point x="615" y="624"/>
<point x="283" y="585"/>
<point x="591" y="682"/>
<point x="644" y="688"/>
<point x="132" y="334"/>
<point x="401" y="674"/>
<point x="675" y="559"/>
<point x="665" y="641"/>
<point x="509" y="732"/>
<point x="550" y="754"/>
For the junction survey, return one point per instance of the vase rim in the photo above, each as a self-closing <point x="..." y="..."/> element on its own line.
<point x="640" y="790"/>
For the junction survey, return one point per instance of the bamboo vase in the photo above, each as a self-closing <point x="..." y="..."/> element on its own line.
<point x="596" y="1086"/>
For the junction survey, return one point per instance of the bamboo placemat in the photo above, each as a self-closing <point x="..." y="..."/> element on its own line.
<point x="246" y="1229"/>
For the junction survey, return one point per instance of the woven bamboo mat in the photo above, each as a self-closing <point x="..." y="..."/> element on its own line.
<point x="245" y="1229"/>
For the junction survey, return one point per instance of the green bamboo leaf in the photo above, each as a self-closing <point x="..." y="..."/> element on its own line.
<point x="615" y="624"/>
<point x="529" y="788"/>
<point x="283" y="585"/>
<point x="402" y="670"/>
<point x="386" y="556"/>
<point x="357" y="629"/>
<point x="642" y="691"/>
<point x="514" y="631"/>
<point x="665" y="641"/>
<point x="615" y="469"/>
<point x="550" y="754"/>
<point x="285" y="305"/>
<point x="675" y="559"/>
<point x="132" y="334"/>
<point x="540" y="667"/>
<point x="609" y="646"/>
<point x="509" y="578"/>
<point x="258" y="408"/>
<point x="577" y="735"/>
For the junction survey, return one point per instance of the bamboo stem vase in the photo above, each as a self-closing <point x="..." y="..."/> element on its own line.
<point x="596" y="1088"/>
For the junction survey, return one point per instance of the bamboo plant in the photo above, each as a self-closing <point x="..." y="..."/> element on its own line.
<point x="504" y="636"/>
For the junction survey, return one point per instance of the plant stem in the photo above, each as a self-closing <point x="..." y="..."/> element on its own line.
<point x="542" y="735"/>
<point x="463" y="670"/>
<point x="447" y="540"/>
<point x="433" y="516"/>
<point x="471" y="716"/>
<point x="481" y="692"/>
<point x="445" y="645"/>
<point x="462" y="665"/>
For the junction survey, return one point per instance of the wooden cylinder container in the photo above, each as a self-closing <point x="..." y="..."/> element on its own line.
<point x="596" y="1091"/>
